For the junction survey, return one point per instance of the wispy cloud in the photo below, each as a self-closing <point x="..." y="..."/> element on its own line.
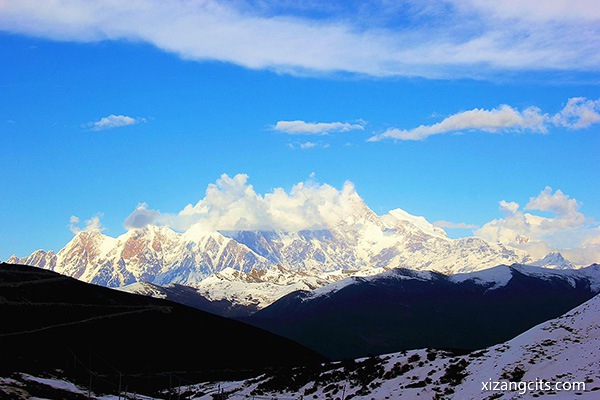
<point x="439" y="38"/>
<point x="90" y="224"/>
<point x="315" y="128"/>
<point x="113" y="121"/>
<point x="307" y="145"/>
<point x="578" y="113"/>
<point x="454" y="225"/>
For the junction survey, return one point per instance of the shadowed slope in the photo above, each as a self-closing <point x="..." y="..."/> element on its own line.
<point x="50" y="321"/>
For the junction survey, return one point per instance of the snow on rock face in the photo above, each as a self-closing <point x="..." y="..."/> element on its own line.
<point x="496" y="277"/>
<point x="553" y="260"/>
<point x="25" y="386"/>
<point x="362" y="242"/>
<point x="565" y="349"/>
<point x="395" y="216"/>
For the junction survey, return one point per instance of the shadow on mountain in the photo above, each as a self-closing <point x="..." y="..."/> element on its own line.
<point x="400" y="312"/>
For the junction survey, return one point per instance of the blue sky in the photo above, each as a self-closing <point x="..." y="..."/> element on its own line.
<point x="442" y="110"/>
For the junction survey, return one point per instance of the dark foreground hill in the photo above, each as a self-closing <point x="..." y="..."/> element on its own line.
<point x="49" y="321"/>
<point x="404" y="309"/>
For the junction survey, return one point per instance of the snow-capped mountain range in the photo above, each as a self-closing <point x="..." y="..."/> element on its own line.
<point x="257" y="267"/>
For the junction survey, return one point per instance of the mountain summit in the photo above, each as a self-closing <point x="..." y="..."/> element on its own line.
<point x="553" y="260"/>
<point x="361" y="243"/>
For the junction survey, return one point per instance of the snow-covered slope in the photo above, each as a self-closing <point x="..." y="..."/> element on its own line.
<point x="491" y="278"/>
<point x="562" y="350"/>
<point x="553" y="260"/>
<point x="153" y="254"/>
<point x="25" y="386"/>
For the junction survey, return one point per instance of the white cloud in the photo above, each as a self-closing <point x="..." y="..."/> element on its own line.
<point x="454" y="225"/>
<point x="90" y="224"/>
<point x="232" y="204"/>
<point x="499" y="119"/>
<point x="565" y="208"/>
<point x="74" y="224"/>
<point x="307" y="145"/>
<point x="141" y="217"/>
<point x="315" y="128"/>
<point x="567" y="230"/>
<point x="113" y="121"/>
<point x="439" y="38"/>
<point x="555" y="10"/>
<point x="508" y="207"/>
<point x="577" y="114"/>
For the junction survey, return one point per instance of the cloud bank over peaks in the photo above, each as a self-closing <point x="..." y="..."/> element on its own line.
<point x="232" y="204"/>
<point x="567" y="230"/>
<point x="550" y="221"/>
<point x="578" y="113"/>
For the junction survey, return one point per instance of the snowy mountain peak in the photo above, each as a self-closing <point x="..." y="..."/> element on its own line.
<point x="554" y="260"/>
<point x="394" y="216"/>
<point x="361" y="243"/>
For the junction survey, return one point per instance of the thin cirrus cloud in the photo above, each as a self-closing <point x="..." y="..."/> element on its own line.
<point x="307" y="145"/>
<point x="454" y="225"/>
<point x="113" y="121"/>
<point x="578" y="113"/>
<point x="90" y="224"/>
<point x="299" y="127"/>
<point x="436" y="39"/>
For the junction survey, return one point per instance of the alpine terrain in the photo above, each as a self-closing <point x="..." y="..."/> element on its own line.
<point x="254" y="268"/>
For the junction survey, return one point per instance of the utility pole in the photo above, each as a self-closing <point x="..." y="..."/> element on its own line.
<point x="120" y="376"/>
<point x="90" y="369"/>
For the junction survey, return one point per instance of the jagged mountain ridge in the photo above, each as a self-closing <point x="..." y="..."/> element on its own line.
<point x="554" y="260"/>
<point x="365" y="240"/>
